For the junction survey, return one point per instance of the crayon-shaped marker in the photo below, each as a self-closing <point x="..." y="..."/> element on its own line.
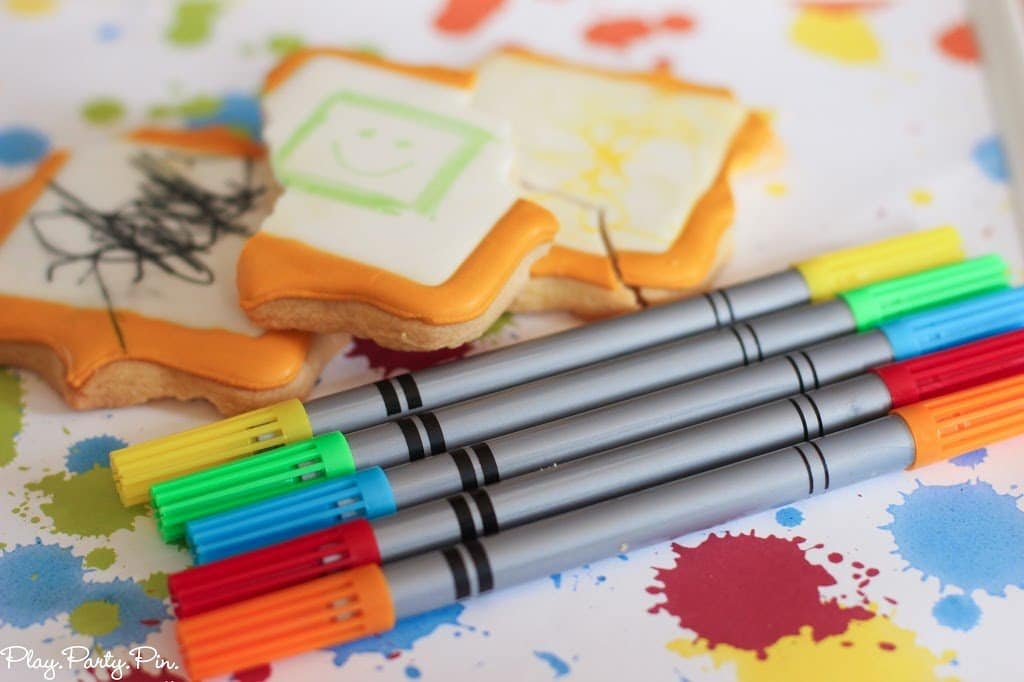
<point x="138" y="467"/>
<point x="600" y="476"/>
<point x="317" y="504"/>
<point x="366" y="600"/>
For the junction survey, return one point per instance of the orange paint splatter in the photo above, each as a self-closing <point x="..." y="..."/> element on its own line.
<point x="624" y="32"/>
<point x="958" y="42"/>
<point x="465" y="16"/>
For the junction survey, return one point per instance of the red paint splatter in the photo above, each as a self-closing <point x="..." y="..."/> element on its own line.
<point x="835" y="557"/>
<point x="465" y="16"/>
<point x="856" y="564"/>
<point x="871" y="572"/>
<point x="257" y="674"/>
<point x="623" y="32"/>
<point x="846" y="642"/>
<point x="748" y="592"/>
<point x="150" y="621"/>
<point x="957" y="42"/>
<point x="890" y="600"/>
<point x="133" y="674"/>
<point x="393" y="360"/>
<point x="886" y="646"/>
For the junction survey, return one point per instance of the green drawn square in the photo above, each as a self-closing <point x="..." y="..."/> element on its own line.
<point x="472" y="140"/>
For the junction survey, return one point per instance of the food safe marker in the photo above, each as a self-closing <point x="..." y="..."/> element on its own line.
<point x="138" y="467"/>
<point x="266" y="475"/>
<point x="600" y="476"/>
<point x="367" y="600"/>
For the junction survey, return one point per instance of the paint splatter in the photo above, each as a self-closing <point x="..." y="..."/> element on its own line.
<point x="12" y="406"/>
<point x="390" y="361"/>
<point x="748" y="592"/>
<point x="839" y="33"/>
<point x="965" y="535"/>
<point x="957" y="611"/>
<point x="624" y="32"/>
<point x="875" y="649"/>
<point x="970" y="459"/>
<point x="283" y="44"/>
<point x="108" y="32"/>
<point x="102" y="111"/>
<point x="31" y="8"/>
<point x="238" y="111"/>
<point x="465" y="16"/>
<point x="257" y="674"/>
<point x="193" y="22"/>
<point x="776" y="189"/>
<point x="92" y="452"/>
<point x="957" y="42"/>
<point x="90" y="485"/>
<point x="558" y="666"/>
<point x="988" y="155"/>
<point x="21" y="144"/>
<point x="920" y="197"/>
<point x="402" y="638"/>
<point x="100" y="558"/>
<point x="412" y="672"/>
<point x="790" y="517"/>
<point x="133" y="674"/>
<point x="155" y="585"/>
<point x="40" y="582"/>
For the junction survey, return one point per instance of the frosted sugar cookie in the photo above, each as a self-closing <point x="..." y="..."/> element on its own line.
<point x="636" y="167"/>
<point x="398" y="220"/>
<point x="117" y="275"/>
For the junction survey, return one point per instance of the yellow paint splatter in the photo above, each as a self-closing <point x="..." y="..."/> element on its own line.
<point x="921" y="197"/>
<point x="875" y="649"/>
<point x="31" y="8"/>
<point x="839" y="34"/>
<point x="776" y="189"/>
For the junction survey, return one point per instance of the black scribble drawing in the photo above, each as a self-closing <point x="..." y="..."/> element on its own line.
<point x="170" y="224"/>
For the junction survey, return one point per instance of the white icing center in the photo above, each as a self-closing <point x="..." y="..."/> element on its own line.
<point x="385" y="168"/>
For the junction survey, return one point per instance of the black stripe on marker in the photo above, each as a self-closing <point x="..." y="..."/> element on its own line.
<point x="412" y="391"/>
<point x="757" y="341"/>
<point x="390" y="396"/>
<point x="807" y="465"/>
<point x="460" y="576"/>
<point x="412" y="439"/>
<point x="796" y="370"/>
<point x="728" y="304"/>
<point x="434" y="432"/>
<point x="714" y="309"/>
<point x="487" y="463"/>
<point x="803" y="420"/>
<point x="467" y="474"/>
<point x="467" y="531"/>
<point x="814" y="371"/>
<point x="484" y="576"/>
<point x="486" y="509"/>
<point x="821" y="424"/>
<point x="824" y="464"/>
<point x="743" y="346"/>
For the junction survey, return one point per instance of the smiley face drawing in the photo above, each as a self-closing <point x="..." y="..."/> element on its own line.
<point x="379" y="154"/>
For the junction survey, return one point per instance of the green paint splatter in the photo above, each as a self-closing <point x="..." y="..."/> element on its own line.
<point x="101" y="557"/>
<point x="85" y="504"/>
<point x="3" y="546"/>
<point x="283" y="44"/>
<point x="156" y="585"/>
<point x="193" y="22"/>
<point x="499" y="324"/>
<point x="199" y="106"/>
<point x="96" y="618"/>
<point x="11" y="408"/>
<point x="103" y="111"/>
<point x="66" y="430"/>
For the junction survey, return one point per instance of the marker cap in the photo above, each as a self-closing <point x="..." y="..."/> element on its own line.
<point x="966" y="420"/>
<point x="952" y="325"/>
<point x="878" y="303"/>
<point x="831" y="273"/>
<point x="917" y="379"/>
<point x="204" y="588"/>
<point x="365" y="494"/>
<point x="255" y="478"/>
<point x="138" y="467"/>
<point x="320" y="613"/>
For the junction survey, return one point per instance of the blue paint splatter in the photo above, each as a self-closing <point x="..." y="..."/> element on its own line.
<point x="20" y="144"/>
<point x="236" y="110"/>
<point x="39" y="582"/>
<point x="988" y="154"/>
<point x="556" y="578"/>
<point x="558" y="666"/>
<point x="108" y="32"/>
<point x="412" y="672"/>
<point x="402" y="638"/>
<point x="957" y="611"/>
<point x="90" y="452"/>
<point x="790" y="517"/>
<point x="966" y="535"/>
<point x="970" y="459"/>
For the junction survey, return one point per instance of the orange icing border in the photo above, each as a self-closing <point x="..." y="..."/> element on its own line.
<point x="690" y="258"/>
<point x="272" y="268"/>
<point x="84" y="338"/>
<point x="592" y="268"/>
<point x="455" y="78"/>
